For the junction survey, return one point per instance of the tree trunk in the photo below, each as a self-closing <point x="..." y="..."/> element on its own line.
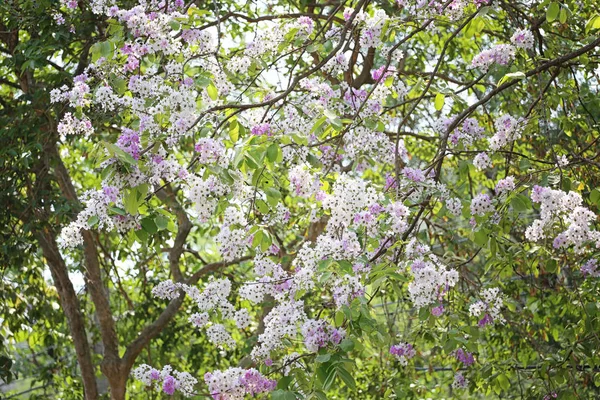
<point x="117" y="373"/>
<point x="70" y="305"/>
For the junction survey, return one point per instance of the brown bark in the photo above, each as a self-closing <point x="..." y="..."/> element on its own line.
<point x="70" y="305"/>
<point x="111" y="365"/>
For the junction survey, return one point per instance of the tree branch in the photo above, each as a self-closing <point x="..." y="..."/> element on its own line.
<point x="152" y="330"/>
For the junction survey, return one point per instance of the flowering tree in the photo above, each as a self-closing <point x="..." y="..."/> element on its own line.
<point x="319" y="200"/>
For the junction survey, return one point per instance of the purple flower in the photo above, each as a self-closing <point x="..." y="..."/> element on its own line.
<point x="464" y="357"/>
<point x="559" y="241"/>
<point x="129" y="142"/>
<point x="169" y="385"/>
<point x="590" y="268"/>
<point x="437" y="311"/>
<point x="486" y="320"/>
<point x="261" y="129"/>
<point x="255" y="383"/>
<point x="111" y="193"/>
<point x="414" y="174"/>
<point x="154" y="374"/>
<point x="336" y="336"/>
<point x="403" y="350"/>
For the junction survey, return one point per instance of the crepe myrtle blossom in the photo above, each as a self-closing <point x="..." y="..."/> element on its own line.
<point x="508" y="129"/>
<point x="161" y="78"/>
<point x="431" y="279"/>
<point x="414" y="174"/>
<point x="168" y="380"/>
<point x="237" y="383"/>
<point x="464" y="357"/>
<point x="482" y="161"/>
<point x="500" y="54"/>
<point x="454" y="205"/>
<point x="403" y="352"/>
<point x="563" y="218"/>
<point x="481" y="205"/>
<point x="488" y="308"/>
<point x="460" y="382"/>
<point x="523" y="39"/>
<point x="505" y="185"/>
<point x="467" y="133"/>
<point x="590" y="268"/>
<point x="318" y="333"/>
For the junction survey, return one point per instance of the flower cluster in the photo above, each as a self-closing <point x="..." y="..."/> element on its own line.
<point x="481" y="204"/>
<point x="460" y="382"/>
<point x="318" y="333"/>
<point x="505" y="185"/>
<point x="281" y="322"/>
<point x="482" y="161"/>
<point x="97" y="213"/>
<point x="523" y="39"/>
<point x="431" y="279"/>
<point x="212" y="298"/>
<point x="403" y="352"/>
<point x="560" y="210"/>
<point x="508" y="129"/>
<point x="464" y="357"/>
<point x="489" y="306"/>
<point x="168" y="380"/>
<point x="469" y="132"/>
<point x="500" y="54"/>
<point x="211" y="151"/>
<point x="236" y="383"/>
<point x="590" y="268"/>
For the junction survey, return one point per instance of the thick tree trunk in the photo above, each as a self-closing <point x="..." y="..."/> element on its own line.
<point x="117" y="373"/>
<point x="70" y="306"/>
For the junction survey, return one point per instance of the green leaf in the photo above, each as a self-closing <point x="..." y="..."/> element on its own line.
<point x="318" y="124"/>
<point x="130" y="201"/>
<point x="346" y="377"/>
<point x="339" y="320"/>
<point x="102" y="49"/>
<point x="323" y="358"/>
<point x="439" y="101"/>
<point x="262" y="206"/>
<point x="326" y="375"/>
<point x="149" y="226"/>
<point x="551" y="266"/>
<point x="552" y="11"/>
<point x="93" y="220"/>
<point x="563" y="16"/>
<point x="503" y="382"/>
<point x="212" y="91"/>
<point x="593" y="23"/>
<point x="595" y="196"/>
<point x="161" y="222"/>
<point x="321" y="396"/>
<point x="234" y="131"/>
<point x="142" y="235"/>
<point x="273" y="196"/>
<point x="272" y="151"/>
<point x="284" y="382"/>
<point x="510" y="76"/>
<point x="521" y="203"/>
<point x="346" y="344"/>
<point x="257" y="239"/>
<point x="283" y="395"/>
<point x="118" y="210"/>
<point x="481" y="237"/>
<point x="119" y="154"/>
